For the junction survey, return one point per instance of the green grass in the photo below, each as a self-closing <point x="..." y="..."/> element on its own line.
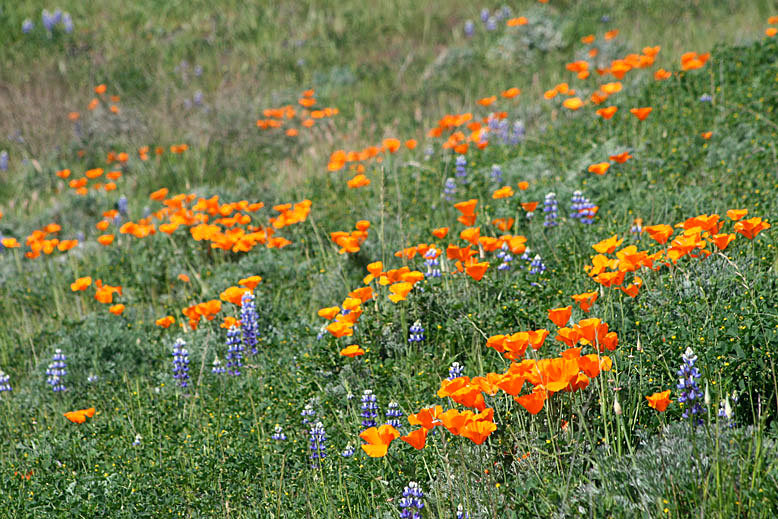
<point x="391" y="70"/>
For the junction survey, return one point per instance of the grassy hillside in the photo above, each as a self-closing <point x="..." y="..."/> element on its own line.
<point x="135" y="214"/>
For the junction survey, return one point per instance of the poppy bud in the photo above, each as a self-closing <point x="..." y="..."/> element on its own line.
<point x="616" y="406"/>
<point x="706" y="398"/>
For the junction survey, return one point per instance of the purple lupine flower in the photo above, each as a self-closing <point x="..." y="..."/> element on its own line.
<point x="706" y="98"/>
<point x="217" y="368"/>
<point x="455" y="370"/>
<point x="348" y="451"/>
<point x="411" y="503"/>
<point x="690" y="391"/>
<point x="318" y="441"/>
<point x="506" y="258"/>
<point x="234" y="351"/>
<point x="469" y="28"/>
<point x="307" y="411"/>
<point x="550" y="208"/>
<point x="198" y="70"/>
<point x="537" y="266"/>
<point x="27" y="26"/>
<point x="491" y="24"/>
<point x="56" y="371"/>
<point x="449" y="189"/>
<point x="416" y="332"/>
<point x="496" y="174"/>
<point x="3" y="160"/>
<point x="484" y="14"/>
<point x="137" y="440"/>
<point x="48" y="20"/>
<point x="461" y="514"/>
<point x="91" y="379"/>
<point x="518" y="132"/>
<point x="197" y="99"/>
<point x="393" y="414"/>
<point x="5" y="382"/>
<point x="122" y="205"/>
<point x="369" y="409"/>
<point x="461" y="168"/>
<point x="248" y="322"/>
<point x="433" y="263"/>
<point x="581" y="208"/>
<point x="67" y="22"/>
<point x="181" y="363"/>
<point x="725" y="411"/>
<point x="278" y="434"/>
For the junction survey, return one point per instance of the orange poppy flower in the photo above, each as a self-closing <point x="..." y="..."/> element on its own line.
<point x="641" y="113"/>
<point x="399" y="291"/>
<point x="159" y="194"/>
<point x="503" y="192"/>
<point x="692" y="60"/>
<point x="529" y="206"/>
<point x="478" y="431"/>
<point x="662" y="74"/>
<point x="659" y="233"/>
<point x="80" y="284"/>
<point x="523" y="185"/>
<point x="737" y="214"/>
<point x="722" y="241"/>
<point x="352" y="351"/>
<point x="608" y="245"/>
<point x="659" y="401"/>
<point x="116" y="309"/>
<point x="510" y="93"/>
<point x="572" y="103"/>
<point x="477" y="270"/>
<point x="587" y="40"/>
<point x="607" y="113"/>
<point x="706" y="135"/>
<point x="600" y="168"/>
<point x="80" y="416"/>
<point x="770" y="32"/>
<point x="515" y="22"/>
<point x="773" y="20"/>
<point x="63" y="174"/>
<point x="391" y="145"/>
<point x="632" y="289"/>
<point x="234" y="295"/>
<point x="621" y="158"/>
<point x="586" y="299"/>
<point x="611" y="88"/>
<point x="751" y="227"/>
<point x="533" y="402"/>
<point x="611" y="34"/>
<point x="378" y="440"/>
<point x="183" y="277"/>
<point x="165" y="322"/>
<point x="250" y="282"/>
<point x="440" y="232"/>
<point x="486" y="101"/>
<point x="10" y="243"/>
<point x="105" y="239"/>
<point x="503" y="223"/>
<point x="329" y="313"/>
<point x="560" y="316"/>
<point x="416" y="438"/>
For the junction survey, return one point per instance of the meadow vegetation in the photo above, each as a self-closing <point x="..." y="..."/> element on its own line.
<point x="421" y="259"/>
